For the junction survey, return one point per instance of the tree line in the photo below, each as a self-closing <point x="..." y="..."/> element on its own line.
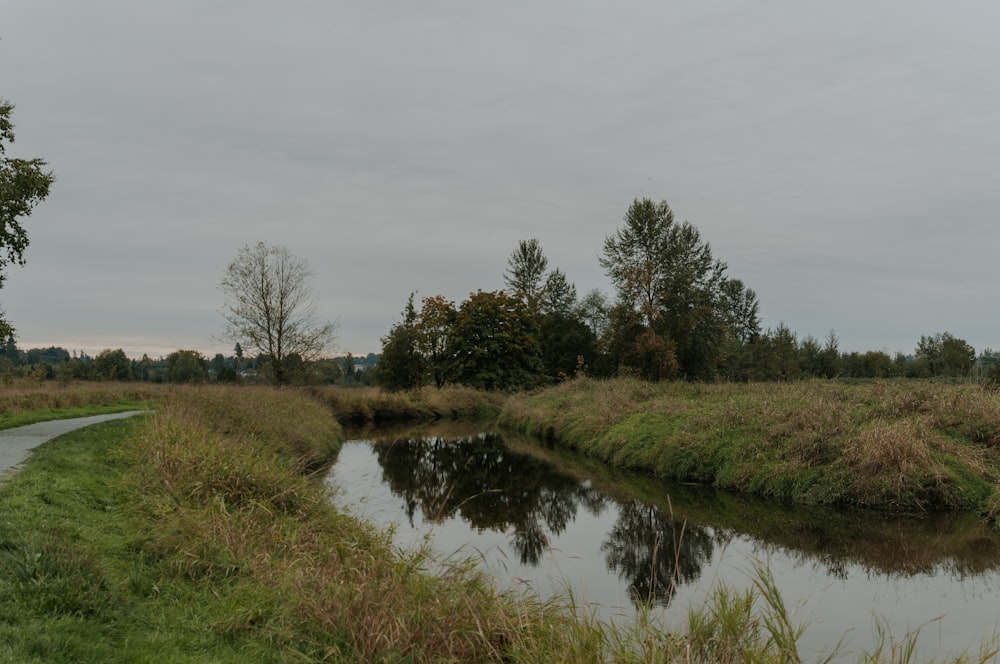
<point x="676" y="314"/>
<point x="181" y="366"/>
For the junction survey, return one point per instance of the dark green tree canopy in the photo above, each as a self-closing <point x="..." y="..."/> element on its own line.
<point x="493" y="343"/>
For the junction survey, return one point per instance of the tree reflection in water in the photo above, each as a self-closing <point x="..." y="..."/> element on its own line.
<point x="654" y="552"/>
<point x="491" y="487"/>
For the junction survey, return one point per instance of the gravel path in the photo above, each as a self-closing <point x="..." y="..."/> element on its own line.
<point x="15" y="444"/>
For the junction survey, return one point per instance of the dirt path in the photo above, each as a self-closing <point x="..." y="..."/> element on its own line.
<point x="16" y="444"/>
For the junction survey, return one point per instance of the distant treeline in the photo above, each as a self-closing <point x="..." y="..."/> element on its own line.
<point x="181" y="366"/>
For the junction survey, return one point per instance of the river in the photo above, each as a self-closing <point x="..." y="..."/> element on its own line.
<point x="541" y="519"/>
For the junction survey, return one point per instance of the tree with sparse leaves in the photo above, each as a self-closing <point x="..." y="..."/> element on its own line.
<point x="24" y="183"/>
<point x="270" y="308"/>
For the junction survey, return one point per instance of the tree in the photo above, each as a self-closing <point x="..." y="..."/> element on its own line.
<point x="558" y="296"/>
<point x="493" y="343"/>
<point x="187" y="366"/>
<point x="270" y="308"/>
<point x="401" y="366"/>
<point x="525" y="271"/>
<point x="23" y="184"/>
<point x="112" y="365"/>
<point x="946" y="355"/>
<point x="666" y="274"/>
<point x="433" y="326"/>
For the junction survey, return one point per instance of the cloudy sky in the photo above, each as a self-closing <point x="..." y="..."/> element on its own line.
<point x="842" y="158"/>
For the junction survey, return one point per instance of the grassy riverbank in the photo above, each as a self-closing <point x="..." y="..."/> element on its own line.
<point x="203" y="532"/>
<point x="901" y="446"/>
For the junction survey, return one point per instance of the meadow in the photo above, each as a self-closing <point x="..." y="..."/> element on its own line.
<point x="201" y="532"/>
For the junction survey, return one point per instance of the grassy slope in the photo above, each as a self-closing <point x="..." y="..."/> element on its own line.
<point x="890" y="445"/>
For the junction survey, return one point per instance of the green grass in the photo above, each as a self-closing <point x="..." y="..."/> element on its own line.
<point x="74" y="585"/>
<point x="19" y="419"/>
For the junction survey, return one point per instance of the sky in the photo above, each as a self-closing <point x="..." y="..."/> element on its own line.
<point x="841" y="158"/>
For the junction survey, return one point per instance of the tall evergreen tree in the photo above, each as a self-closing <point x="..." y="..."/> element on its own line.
<point x="525" y="272"/>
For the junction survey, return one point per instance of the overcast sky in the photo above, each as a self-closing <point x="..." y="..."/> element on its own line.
<point x="841" y="157"/>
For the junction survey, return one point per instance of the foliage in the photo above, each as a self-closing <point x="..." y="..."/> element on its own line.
<point x="525" y="272"/>
<point x="270" y="308"/>
<point x="433" y="326"/>
<point x="670" y="287"/>
<point x="401" y="365"/>
<point x="23" y="184"/>
<point x="112" y="365"/>
<point x="189" y="366"/>
<point x="493" y="344"/>
<point x="946" y="355"/>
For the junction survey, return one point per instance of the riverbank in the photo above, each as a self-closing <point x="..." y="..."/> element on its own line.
<point x="200" y="533"/>
<point x="894" y="445"/>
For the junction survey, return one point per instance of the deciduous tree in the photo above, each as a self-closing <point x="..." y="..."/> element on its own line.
<point x="666" y="274"/>
<point x="24" y="183"/>
<point x="493" y="344"/>
<point x="270" y="308"/>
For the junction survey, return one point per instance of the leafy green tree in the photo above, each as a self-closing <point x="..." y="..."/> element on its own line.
<point x="401" y="365"/>
<point x="667" y="276"/>
<point x="187" y="366"/>
<point x="776" y="355"/>
<point x="23" y="184"/>
<point x="946" y="355"/>
<point x="525" y="272"/>
<point x="433" y="326"/>
<point x="112" y="365"/>
<point x="270" y="307"/>
<point x="567" y="345"/>
<point x="494" y="343"/>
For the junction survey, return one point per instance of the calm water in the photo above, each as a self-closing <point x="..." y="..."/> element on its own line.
<point x="548" y="521"/>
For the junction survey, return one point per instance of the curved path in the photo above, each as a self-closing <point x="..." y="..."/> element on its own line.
<point x="16" y="443"/>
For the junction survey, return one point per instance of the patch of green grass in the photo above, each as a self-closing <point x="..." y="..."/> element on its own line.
<point x="9" y="420"/>
<point x="73" y="586"/>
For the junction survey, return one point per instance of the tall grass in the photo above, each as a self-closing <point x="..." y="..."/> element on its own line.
<point x="27" y="402"/>
<point x="888" y="445"/>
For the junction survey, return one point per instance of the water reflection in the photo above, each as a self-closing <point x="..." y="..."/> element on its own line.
<point x="655" y="552"/>
<point x="662" y="535"/>
<point x="492" y="487"/>
<point x="487" y="486"/>
<point x="547" y="520"/>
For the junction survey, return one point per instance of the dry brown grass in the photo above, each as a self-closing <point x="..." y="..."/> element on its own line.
<point x="27" y="395"/>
